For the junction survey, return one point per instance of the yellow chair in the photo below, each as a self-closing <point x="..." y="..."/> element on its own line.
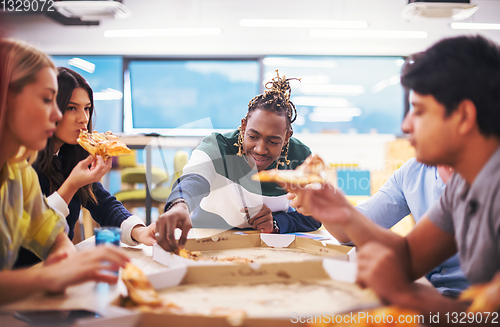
<point x="131" y="175"/>
<point x="181" y="159"/>
<point x="161" y="193"/>
<point x="132" y="197"/>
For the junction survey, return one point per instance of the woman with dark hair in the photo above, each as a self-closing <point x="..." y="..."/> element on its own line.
<point x="28" y="117"/>
<point x="67" y="171"/>
<point x="216" y="184"/>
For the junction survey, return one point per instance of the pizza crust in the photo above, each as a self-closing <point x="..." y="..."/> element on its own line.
<point x="140" y="289"/>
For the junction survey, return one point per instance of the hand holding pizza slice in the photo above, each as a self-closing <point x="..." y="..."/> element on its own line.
<point x="312" y="190"/>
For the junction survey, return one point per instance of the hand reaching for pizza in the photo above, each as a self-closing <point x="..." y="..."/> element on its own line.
<point x="144" y="235"/>
<point x="177" y="217"/>
<point x="261" y="218"/>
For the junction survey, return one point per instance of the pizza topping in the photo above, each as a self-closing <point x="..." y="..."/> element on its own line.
<point x="104" y="144"/>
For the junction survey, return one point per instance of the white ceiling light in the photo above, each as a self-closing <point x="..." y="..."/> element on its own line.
<point x="330" y="89"/>
<point x="457" y="11"/>
<point x="303" y="23"/>
<point x="393" y="80"/>
<point x="164" y="32"/>
<point x="315" y="79"/>
<point x="92" y="10"/>
<point x="355" y="112"/>
<point x="322" y="114"/>
<point x="475" y="26"/>
<point x="325" y="118"/>
<point x="368" y="34"/>
<point x="108" y="94"/>
<point x="82" y="64"/>
<point x="289" y="62"/>
<point x="312" y="101"/>
<point x="399" y="62"/>
<point x="308" y="79"/>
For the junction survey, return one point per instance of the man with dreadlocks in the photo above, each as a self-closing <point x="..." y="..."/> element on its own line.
<point x="216" y="185"/>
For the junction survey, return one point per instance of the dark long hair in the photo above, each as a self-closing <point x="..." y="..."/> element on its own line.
<point x="57" y="171"/>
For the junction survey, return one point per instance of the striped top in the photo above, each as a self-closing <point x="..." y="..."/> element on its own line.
<point x="26" y="219"/>
<point x="217" y="184"/>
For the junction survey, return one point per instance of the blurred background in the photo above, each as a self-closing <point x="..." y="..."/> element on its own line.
<point x="184" y="68"/>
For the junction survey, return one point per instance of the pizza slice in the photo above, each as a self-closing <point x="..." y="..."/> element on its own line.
<point x="312" y="170"/>
<point x="193" y="255"/>
<point x="140" y="289"/>
<point x="104" y="144"/>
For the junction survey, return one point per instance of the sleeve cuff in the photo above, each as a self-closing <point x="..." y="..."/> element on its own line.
<point x="57" y="203"/>
<point x="127" y="226"/>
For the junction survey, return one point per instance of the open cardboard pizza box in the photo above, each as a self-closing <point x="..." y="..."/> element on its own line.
<point x="268" y="294"/>
<point x="286" y="247"/>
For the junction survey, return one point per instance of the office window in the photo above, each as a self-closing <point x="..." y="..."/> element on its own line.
<point x="343" y="94"/>
<point x="105" y="76"/>
<point x="189" y="97"/>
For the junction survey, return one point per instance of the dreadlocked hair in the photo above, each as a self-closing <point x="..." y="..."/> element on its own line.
<point x="275" y="99"/>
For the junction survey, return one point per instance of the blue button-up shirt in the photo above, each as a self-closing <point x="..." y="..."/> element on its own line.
<point x="414" y="188"/>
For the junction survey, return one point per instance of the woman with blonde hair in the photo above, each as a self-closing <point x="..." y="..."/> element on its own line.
<point x="28" y="117"/>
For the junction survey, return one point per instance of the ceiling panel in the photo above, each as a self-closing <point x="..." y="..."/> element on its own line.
<point x="236" y="40"/>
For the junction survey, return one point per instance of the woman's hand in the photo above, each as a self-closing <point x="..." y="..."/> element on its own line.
<point x="176" y="217"/>
<point x="144" y="235"/>
<point x="83" y="175"/>
<point x="97" y="264"/>
<point x="261" y="218"/>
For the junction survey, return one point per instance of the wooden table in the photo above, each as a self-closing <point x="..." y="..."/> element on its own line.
<point x="97" y="297"/>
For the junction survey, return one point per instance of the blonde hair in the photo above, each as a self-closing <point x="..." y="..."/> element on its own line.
<point x="19" y="64"/>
